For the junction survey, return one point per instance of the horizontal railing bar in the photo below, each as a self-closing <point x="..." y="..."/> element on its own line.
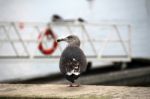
<point x="28" y="40"/>
<point x="64" y="23"/>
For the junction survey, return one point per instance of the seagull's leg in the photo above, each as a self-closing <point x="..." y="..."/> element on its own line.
<point x="77" y="84"/>
<point x="73" y="84"/>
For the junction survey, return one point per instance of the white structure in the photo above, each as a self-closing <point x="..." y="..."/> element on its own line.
<point x="95" y="39"/>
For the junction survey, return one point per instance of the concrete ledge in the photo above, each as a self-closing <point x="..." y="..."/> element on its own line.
<point x="41" y="91"/>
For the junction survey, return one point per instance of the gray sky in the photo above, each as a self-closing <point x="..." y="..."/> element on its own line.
<point x="42" y="10"/>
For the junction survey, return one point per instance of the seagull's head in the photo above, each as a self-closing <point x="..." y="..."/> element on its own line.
<point x="73" y="40"/>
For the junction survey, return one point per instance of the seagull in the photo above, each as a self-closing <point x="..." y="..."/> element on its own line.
<point x="72" y="60"/>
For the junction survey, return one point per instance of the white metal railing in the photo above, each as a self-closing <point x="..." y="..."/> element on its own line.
<point x="38" y="27"/>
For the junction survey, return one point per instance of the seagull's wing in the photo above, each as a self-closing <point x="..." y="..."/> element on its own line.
<point x="72" y="61"/>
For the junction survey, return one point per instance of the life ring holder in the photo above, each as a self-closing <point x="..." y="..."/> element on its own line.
<point x="47" y="51"/>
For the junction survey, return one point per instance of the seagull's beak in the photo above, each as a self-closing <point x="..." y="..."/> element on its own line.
<point x="63" y="39"/>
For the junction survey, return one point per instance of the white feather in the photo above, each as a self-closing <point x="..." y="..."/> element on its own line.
<point x="74" y="59"/>
<point x="72" y="72"/>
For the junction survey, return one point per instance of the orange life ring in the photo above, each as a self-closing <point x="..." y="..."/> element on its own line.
<point x="54" y="46"/>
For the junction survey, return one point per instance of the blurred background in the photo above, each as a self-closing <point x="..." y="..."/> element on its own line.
<point x="114" y="35"/>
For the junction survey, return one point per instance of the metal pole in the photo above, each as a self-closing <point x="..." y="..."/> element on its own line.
<point x="11" y="42"/>
<point x="86" y="32"/>
<point x="20" y="38"/>
<point x="120" y="38"/>
<point x="129" y="41"/>
<point x="104" y="45"/>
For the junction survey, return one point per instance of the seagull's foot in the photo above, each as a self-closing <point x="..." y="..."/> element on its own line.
<point x="74" y="85"/>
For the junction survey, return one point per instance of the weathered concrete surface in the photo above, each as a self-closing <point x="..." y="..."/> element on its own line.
<point x="28" y="91"/>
